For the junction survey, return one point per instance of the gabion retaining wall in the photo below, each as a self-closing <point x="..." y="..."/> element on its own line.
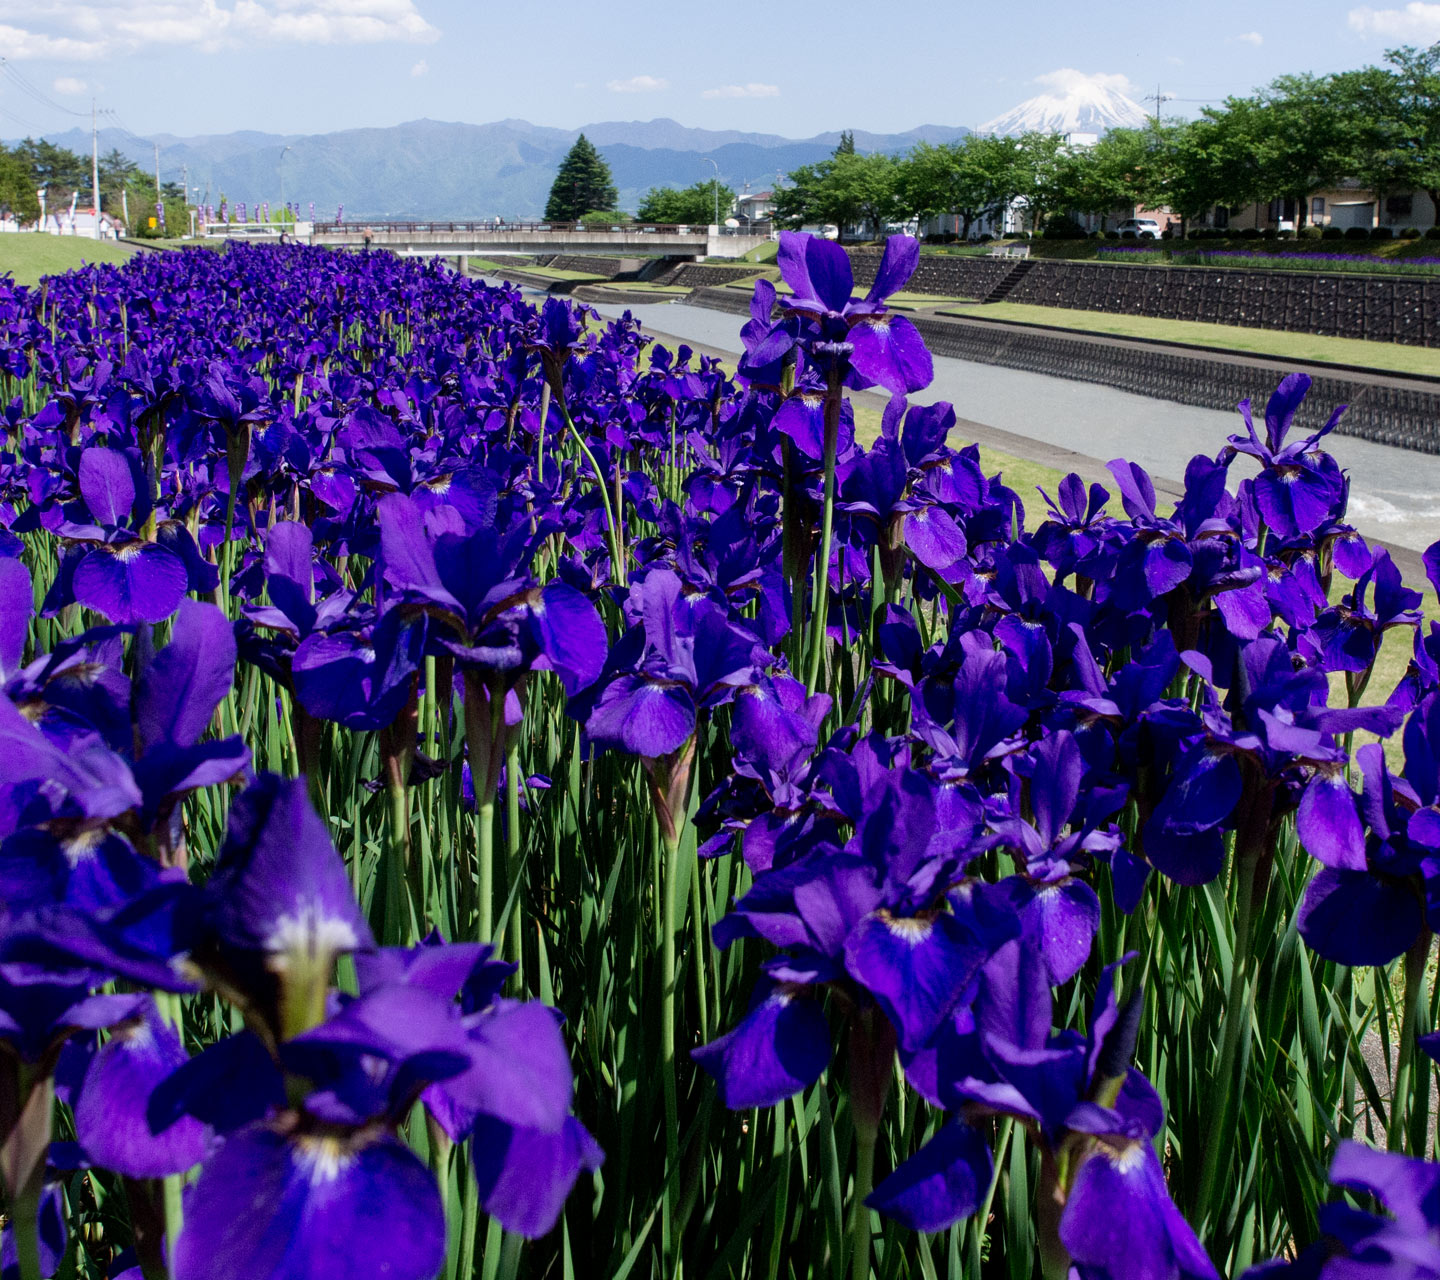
<point x="694" y="276"/>
<point x="1397" y="413"/>
<point x="1335" y="305"/>
<point x="1386" y="412"/>
<point x="597" y="266"/>
<point x="947" y="277"/>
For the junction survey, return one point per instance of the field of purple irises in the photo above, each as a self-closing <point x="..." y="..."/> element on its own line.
<point x="484" y="794"/>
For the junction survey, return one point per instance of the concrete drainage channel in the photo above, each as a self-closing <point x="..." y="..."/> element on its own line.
<point x="1391" y="409"/>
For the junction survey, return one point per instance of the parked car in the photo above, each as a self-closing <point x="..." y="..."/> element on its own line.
<point x="1144" y="228"/>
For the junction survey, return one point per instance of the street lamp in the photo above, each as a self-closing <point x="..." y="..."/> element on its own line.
<point x="280" y="164"/>
<point x="714" y="186"/>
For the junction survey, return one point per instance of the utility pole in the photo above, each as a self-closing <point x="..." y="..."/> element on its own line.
<point x="157" y="173"/>
<point x="95" y="163"/>
<point x="1157" y="98"/>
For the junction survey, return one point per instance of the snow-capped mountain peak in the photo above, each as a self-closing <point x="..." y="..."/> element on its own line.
<point x="1075" y="103"/>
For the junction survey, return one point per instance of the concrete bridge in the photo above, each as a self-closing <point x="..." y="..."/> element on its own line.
<point x="489" y="239"/>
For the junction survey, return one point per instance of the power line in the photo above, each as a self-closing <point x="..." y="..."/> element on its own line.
<point x="29" y="124"/>
<point x="27" y="88"/>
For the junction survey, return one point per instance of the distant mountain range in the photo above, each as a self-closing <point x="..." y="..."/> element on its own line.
<point x="432" y="169"/>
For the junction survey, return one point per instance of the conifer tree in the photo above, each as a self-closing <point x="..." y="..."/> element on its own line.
<point x="582" y="185"/>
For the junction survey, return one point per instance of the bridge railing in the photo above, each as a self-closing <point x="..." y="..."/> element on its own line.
<point x="494" y="225"/>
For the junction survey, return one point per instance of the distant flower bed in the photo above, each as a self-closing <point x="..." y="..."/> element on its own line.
<point x="1360" y="262"/>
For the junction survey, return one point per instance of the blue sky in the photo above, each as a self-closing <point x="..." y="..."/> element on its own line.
<point x="794" y="67"/>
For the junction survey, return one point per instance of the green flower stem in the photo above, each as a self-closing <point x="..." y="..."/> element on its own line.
<point x="540" y="442"/>
<point x="612" y="527"/>
<point x="510" y="1255"/>
<point x="23" y="1214"/>
<point x="827" y="521"/>
<point x="469" y="1216"/>
<point x="1396" y="1134"/>
<point x="1003" y="1137"/>
<point x="397" y="862"/>
<point x="174" y="1209"/>
<point x="173" y="1012"/>
<point x="697" y="938"/>
<point x="514" y="932"/>
<point x="485" y="872"/>
<point x="667" y="1031"/>
<point x="1225" y="1089"/>
<point x="1054" y="1258"/>
<point x="872" y="1070"/>
<point x="484" y="727"/>
<point x="859" y="1212"/>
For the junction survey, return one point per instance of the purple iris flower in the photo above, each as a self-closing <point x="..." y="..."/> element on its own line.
<point x="868" y="344"/>
<point x="681" y="654"/>
<point x="306" y="1102"/>
<point x="1377" y="887"/>
<point x="106" y="832"/>
<point x="114" y="570"/>
<point x="1402" y="1243"/>
<point x="1055" y="907"/>
<point x="41" y="1008"/>
<point x="772" y="795"/>
<point x="108" y="1087"/>
<point x="1347" y="636"/>
<point x="1092" y="1114"/>
<point x="1299" y="486"/>
<point x="871" y="921"/>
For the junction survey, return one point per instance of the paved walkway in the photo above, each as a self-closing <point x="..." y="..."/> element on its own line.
<point x="1394" y="496"/>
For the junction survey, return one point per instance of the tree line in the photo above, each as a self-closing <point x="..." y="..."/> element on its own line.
<point x="1299" y="135"/>
<point x="32" y="165"/>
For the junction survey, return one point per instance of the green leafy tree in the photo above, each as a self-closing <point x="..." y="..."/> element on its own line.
<point x="62" y="172"/>
<point x="1302" y="137"/>
<point x="117" y="174"/>
<point x="1041" y="175"/>
<point x="846" y="145"/>
<point x="846" y="190"/>
<point x="582" y="185"/>
<point x="693" y="204"/>
<point x="1394" y="114"/>
<point x="799" y="203"/>
<point x="17" y="188"/>
<point x="861" y="189"/>
<point x="949" y="179"/>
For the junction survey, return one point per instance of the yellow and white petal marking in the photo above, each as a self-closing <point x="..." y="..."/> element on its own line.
<point x="307" y="933"/>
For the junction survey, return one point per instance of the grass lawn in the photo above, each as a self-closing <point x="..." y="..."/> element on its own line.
<point x="1390" y="356"/>
<point x="28" y="255"/>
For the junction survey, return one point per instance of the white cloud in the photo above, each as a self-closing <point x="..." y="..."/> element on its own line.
<point x="68" y="84"/>
<point x="1249" y="37"/>
<point x="750" y="90"/>
<point x="421" y="68"/>
<point x="638" y="84"/>
<point x="1067" y="82"/>
<point x="1416" y="21"/>
<point x="92" y="29"/>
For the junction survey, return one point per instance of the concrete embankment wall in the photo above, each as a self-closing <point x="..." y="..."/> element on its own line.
<point x="1373" y="308"/>
<point x="1387" y="410"/>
